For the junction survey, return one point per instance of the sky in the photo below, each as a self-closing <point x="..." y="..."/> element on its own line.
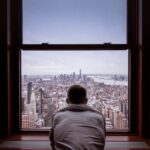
<point x="74" y="22"/>
<point x="67" y="62"/>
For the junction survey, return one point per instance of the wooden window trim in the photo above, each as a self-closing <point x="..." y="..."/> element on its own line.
<point x="16" y="46"/>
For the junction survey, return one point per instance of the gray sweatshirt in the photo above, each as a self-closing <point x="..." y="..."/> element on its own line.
<point x="77" y="127"/>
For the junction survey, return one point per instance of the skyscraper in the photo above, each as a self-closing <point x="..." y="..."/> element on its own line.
<point x="41" y="99"/>
<point x="29" y="87"/>
<point x="80" y="73"/>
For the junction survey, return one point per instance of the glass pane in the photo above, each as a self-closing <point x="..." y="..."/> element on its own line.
<point x="74" y="21"/>
<point x="47" y="75"/>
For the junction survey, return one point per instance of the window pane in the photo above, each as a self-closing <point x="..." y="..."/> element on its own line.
<point x="74" y="21"/>
<point x="47" y="75"/>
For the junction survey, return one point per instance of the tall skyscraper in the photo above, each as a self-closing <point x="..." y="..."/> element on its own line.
<point x="29" y="87"/>
<point x="25" y="78"/>
<point x="74" y="75"/>
<point x="27" y="121"/>
<point x="41" y="99"/>
<point x="23" y="101"/>
<point x="80" y="73"/>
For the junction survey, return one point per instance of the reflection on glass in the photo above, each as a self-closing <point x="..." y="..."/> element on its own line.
<point x="46" y="77"/>
<point x="74" y="21"/>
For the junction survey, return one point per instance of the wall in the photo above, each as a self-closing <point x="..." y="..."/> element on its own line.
<point x="3" y="68"/>
<point x="146" y="69"/>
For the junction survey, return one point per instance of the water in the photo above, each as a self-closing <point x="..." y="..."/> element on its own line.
<point x="108" y="80"/>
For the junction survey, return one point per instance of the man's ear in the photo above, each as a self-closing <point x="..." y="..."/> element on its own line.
<point x="67" y="100"/>
<point x="85" y="101"/>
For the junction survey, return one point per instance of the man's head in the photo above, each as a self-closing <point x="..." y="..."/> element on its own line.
<point x="76" y="95"/>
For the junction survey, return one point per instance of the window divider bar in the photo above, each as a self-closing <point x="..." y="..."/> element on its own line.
<point x="75" y="46"/>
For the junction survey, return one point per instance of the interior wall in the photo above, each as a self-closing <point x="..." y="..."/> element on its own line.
<point x="3" y="69"/>
<point x="145" y="66"/>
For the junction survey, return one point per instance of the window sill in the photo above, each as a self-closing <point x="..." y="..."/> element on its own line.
<point x="44" y="137"/>
<point x="25" y="141"/>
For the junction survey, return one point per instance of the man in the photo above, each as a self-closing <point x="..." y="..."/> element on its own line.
<point x="78" y="126"/>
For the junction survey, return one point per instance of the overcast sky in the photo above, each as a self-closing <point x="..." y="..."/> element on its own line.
<point x="58" y="62"/>
<point x="72" y="22"/>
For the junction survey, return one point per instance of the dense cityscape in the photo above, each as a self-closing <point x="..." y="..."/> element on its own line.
<point x="43" y="95"/>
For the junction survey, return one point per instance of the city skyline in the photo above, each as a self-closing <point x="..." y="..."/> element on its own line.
<point x="67" y="62"/>
<point x="41" y="97"/>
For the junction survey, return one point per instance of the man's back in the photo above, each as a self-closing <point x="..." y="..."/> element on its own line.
<point x="78" y="127"/>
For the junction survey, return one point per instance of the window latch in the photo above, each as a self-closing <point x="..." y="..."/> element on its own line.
<point x="45" y="44"/>
<point x="109" y="43"/>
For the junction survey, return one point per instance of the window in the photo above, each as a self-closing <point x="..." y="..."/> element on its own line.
<point x="69" y="42"/>
<point x="47" y="75"/>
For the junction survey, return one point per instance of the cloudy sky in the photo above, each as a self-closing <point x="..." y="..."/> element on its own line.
<point x="72" y="22"/>
<point x="57" y="62"/>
